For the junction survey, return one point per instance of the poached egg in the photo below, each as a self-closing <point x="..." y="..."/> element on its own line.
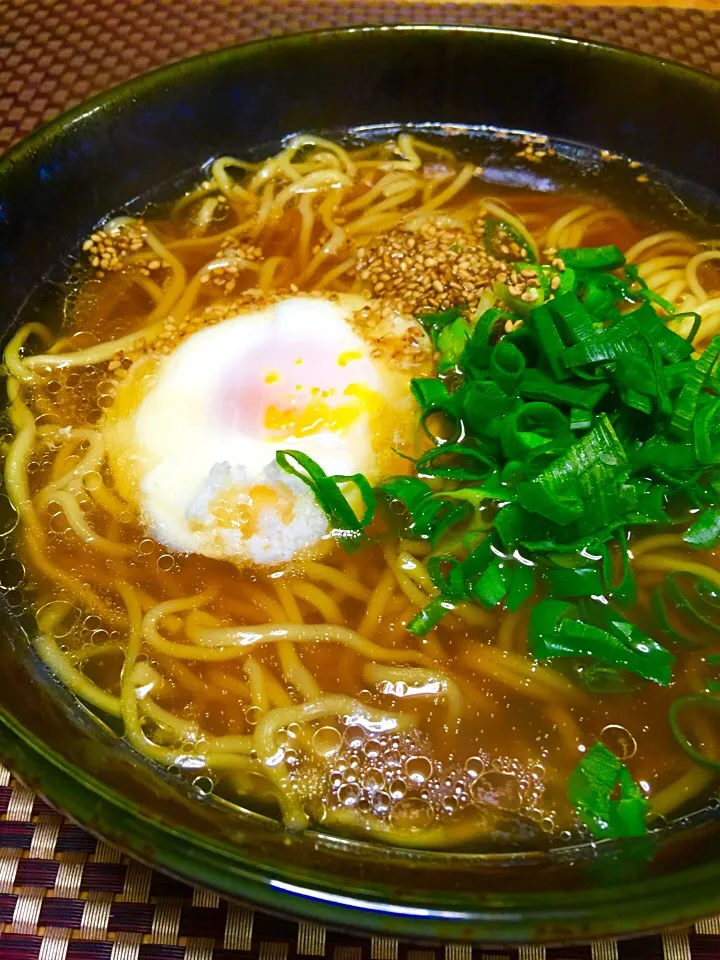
<point x="192" y="434"/>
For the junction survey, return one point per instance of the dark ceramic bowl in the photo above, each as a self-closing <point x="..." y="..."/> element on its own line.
<point x="55" y="187"/>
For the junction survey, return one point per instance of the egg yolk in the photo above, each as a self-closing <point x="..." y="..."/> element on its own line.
<point x="300" y="390"/>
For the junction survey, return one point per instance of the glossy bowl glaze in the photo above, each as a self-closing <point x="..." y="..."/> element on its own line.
<point x="62" y="180"/>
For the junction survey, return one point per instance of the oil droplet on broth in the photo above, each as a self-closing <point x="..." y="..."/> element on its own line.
<point x="348" y="794"/>
<point x="373" y="779"/>
<point x="372" y="749"/>
<point x="475" y="766"/>
<point x="496" y="789"/>
<point x="398" y="789"/>
<point x="418" y="769"/>
<point x="355" y="735"/>
<point x="414" y="813"/>
<point x="203" y="785"/>
<point x="619" y="739"/>
<point x="326" y="741"/>
<point x="252" y="715"/>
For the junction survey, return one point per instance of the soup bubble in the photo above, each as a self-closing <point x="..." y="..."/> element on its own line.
<point x="326" y="741"/>
<point x="413" y="813"/>
<point x="418" y="769"/>
<point x="203" y="785"/>
<point x="475" y="766"/>
<point x="59" y="524"/>
<point x="252" y="715"/>
<point x="372" y="749"/>
<point x="619" y="739"/>
<point x="498" y="790"/>
<point x="398" y="789"/>
<point x="92" y="480"/>
<point x="355" y="735"/>
<point x="12" y="574"/>
<point x="381" y="802"/>
<point x="348" y="794"/>
<point x="373" y="779"/>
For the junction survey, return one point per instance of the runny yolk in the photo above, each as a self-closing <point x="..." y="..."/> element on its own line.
<point x="231" y="509"/>
<point x="349" y="355"/>
<point x="317" y="414"/>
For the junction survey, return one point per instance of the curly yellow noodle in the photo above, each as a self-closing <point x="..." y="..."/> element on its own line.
<point x="16" y="463"/>
<point x="229" y="683"/>
<point x="12" y="360"/>
<point x="256" y="681"/>
<point x="417" y="586"/>
<point x="691" y="271"/>
<point x="305" y="208"/>
<point x="441" y="685"/>
<point x="289" y="604"/>
<point x="266" y="275"/>
<point x="230" y="188"/>
<point x="377" y="604"/>
<point x="332" y="276"/>
<point x="648" y="269"/>
<point x="90" y="653"/>
<point x="506" y="631"/>
<point x="680" y="791"/>
<point x="671" y="238"/>
<point x="679" y="563"/>
<point x="658" y="542"/>
<point x="245" y="638"/>
<point x="185" y="303"/>
<point x="319" y="599"/>
<point x="521" y="674"/>
<point x="339" y="579"/>
<point x="73" y="679"/>
<point x="83" y="530"/>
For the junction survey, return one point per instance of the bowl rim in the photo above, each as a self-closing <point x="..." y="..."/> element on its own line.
<point x="528" y="917"/>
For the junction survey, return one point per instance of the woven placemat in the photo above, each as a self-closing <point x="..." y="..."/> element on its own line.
<point x="63" y="894"/>
<point x="56" y="53"/>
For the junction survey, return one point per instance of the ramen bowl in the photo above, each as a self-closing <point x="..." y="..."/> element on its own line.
<point x="59" y="183"/>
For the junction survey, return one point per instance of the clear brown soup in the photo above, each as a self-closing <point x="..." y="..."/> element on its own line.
<point x="488" y="760"/>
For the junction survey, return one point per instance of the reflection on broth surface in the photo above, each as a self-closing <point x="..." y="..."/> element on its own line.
<point x="493" y="648"/>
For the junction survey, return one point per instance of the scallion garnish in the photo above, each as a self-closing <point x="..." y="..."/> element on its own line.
<point x="605" y="796"/>
<point x="574" y="415"/>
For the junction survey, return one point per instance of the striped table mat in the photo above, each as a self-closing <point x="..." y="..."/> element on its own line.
<point x="62" y="893"/>
<point x="66" y="896"/>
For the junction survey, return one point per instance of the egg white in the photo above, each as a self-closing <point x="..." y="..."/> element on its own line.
<point x="174" y="448"/>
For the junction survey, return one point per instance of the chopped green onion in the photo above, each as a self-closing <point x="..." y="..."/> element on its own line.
<point x="606" y="798"/>
<point x="700" y="701"/>
<point x="592" y="258"/>
<point x="328" y="493"/>
<point x="705" y="532"/>
<point x="555" y="632"/>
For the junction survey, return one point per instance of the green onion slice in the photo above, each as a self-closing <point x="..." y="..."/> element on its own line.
<point x="700" y="701"/>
